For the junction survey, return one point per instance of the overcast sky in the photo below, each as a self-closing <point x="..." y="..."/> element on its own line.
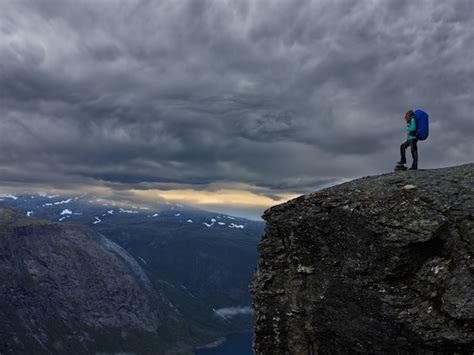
<point x="233" y="104"/>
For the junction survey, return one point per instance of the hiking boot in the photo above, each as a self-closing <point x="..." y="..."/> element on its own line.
<point x="401" y="162"/>
<point x="413" y="168"/>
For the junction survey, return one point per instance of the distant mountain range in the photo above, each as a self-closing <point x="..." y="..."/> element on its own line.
<point x="198" y="264"/>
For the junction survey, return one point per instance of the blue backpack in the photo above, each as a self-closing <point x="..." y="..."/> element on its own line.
<point x="422" y="127"/>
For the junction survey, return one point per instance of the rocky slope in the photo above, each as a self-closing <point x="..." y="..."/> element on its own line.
<point x="201" y="261"/>
<point x="65" y="289"/>
<point x="382" y="264"/>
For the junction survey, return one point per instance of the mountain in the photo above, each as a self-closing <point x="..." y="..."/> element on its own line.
<point x="66" y="289"/>
<point x="200" y="262"/>
<point x="383" y="264"/>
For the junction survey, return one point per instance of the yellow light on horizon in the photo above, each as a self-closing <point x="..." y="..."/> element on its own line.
<point x="218" y="197"/>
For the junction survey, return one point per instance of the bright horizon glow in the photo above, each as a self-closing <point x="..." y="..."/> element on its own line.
<point x="219" y="197"/>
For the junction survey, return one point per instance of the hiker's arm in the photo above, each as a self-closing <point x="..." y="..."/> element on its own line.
<point x="411" y="127"/>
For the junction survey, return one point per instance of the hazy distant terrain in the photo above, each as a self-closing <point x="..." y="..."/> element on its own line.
<point x="202" y="262"/>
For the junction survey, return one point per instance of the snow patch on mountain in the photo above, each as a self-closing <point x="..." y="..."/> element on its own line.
<point x="63" y="202"/>
<point x="121" y="210"/>
<point x="13" y="197"/>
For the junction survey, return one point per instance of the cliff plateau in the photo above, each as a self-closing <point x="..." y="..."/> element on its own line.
<point x="380" y="265"/>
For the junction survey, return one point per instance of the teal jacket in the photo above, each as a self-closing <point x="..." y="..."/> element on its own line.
<point x="411" y="128"/>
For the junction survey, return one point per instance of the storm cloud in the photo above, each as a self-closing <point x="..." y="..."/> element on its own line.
<point x="278" y="96"/>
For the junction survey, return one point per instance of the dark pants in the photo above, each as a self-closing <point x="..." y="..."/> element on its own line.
<point x="414" y="151"/>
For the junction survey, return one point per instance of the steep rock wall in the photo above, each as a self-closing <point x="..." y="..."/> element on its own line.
<point x="63" y="288"/>
<point x="382" y="264"/>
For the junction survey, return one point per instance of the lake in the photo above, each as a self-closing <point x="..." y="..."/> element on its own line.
<point x="235" y="344"/>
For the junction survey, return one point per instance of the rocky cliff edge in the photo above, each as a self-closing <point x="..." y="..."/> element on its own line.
<point x="382" y="264"/>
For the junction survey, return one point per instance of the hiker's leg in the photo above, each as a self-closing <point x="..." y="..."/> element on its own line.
<point x="403" y="147"/>
<point x="414" y="153"/>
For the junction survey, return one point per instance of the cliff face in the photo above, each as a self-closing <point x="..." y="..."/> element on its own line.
<point x="63" y="288"/>
<point x="382" y="264"/>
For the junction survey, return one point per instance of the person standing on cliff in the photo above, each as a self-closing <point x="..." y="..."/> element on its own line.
<point x="410" y="142"/>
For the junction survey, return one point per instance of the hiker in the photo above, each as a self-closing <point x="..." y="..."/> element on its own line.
<point x="410" y="142"/>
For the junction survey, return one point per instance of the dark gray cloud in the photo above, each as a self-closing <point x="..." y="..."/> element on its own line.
<point x="280" y="95"/>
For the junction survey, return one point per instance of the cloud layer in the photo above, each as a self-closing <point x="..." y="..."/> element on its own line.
<point x="277" y="96"/>
<point x="230" y="312"/>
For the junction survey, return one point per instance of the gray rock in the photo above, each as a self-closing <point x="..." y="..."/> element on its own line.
<point x="382" y="264"/>
<point x="63" y="284"/>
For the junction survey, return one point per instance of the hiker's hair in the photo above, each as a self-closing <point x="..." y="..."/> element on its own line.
<point x="409" y="115"/>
